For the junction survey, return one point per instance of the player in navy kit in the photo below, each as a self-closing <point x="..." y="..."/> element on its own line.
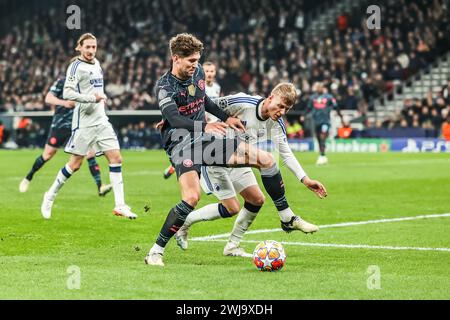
<point x="191" y="143"/>
<point x="60" y="131"/>
<point x="212" y="89"/>
<point x="320" y="106"/>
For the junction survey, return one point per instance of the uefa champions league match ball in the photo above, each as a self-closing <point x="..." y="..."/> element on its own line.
<point x="269" y="255"/>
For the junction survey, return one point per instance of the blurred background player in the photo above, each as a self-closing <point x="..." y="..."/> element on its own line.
<point x="60" y="131"/>
<point x="213" y="90"/>
<point x="263" y="121"/>
<point x="320" y="106"/>
<point x="90" y="126"/>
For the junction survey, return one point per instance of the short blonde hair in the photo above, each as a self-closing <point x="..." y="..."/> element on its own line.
<point x="208" y="63"/>
<point x="287" y="92"/>
<point x="82" y="38"/>
<point x="184" y="45"/>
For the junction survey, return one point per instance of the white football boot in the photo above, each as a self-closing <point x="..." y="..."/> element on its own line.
<point x="24" y="184"/>
<point x="298" y="223"/>
<point x="182" y="237"/>
<point x="234" y="250"/>
<point x="46" y="207"/>
<point x="154" y="259"/>
<point x="124" y="211"/>
<point x="322" y="160"/>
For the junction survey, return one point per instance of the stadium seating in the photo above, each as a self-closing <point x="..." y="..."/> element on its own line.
<point x="254" y="47"/>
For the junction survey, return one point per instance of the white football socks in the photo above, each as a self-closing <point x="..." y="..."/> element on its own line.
<point x="157" y="249"/>
<point x="241" y="225"/>
<point x="206" y="213"/>
<point x="286" y="215"/>
<point x="61" y="178"/>
<point x="115" y="176"/>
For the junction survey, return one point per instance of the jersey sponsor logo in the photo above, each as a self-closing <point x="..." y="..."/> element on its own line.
<point x="97" y="82"/>
<point x="188" y="163"/>
<point x="193" y="107"/>
<point x="201" y="85"/>
<point x="320" y="103"/>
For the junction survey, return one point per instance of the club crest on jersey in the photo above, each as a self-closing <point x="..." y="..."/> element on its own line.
<point x="188" y="163"/>
<point x="192" y="90"/>
<point x="201" y="85"/>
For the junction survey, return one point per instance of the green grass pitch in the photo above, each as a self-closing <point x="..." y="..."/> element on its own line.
<point x="37" y="256"/>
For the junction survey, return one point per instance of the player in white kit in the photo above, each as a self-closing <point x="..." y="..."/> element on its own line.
<point x="213" y="90"/>
<point x="90" y="126"/>
<point x="263" y="121"/>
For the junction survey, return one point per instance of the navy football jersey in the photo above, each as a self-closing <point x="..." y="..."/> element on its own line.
<point x="183" y="104"/>
<point x="62" y="118"/>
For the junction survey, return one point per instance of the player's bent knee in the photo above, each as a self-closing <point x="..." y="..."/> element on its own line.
<point x="232" y="208"/>
<point x="192" y="199"/>
<point x="258" y="200"/>
<point x="116" y="160"/>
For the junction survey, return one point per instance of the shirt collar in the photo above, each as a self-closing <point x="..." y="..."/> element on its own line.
<point x="259" y="110"/>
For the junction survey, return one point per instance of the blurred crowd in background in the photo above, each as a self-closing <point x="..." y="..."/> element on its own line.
<point x="255" y="43"/>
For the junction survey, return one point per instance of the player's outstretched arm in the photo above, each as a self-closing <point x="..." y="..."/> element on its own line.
<point x="215" y="110"/>
<point x="289" y="159"/>
<point x="279" y="138"/>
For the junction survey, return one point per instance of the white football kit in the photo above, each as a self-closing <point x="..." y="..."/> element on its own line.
<point x="213" y="92"/>
<point x="90" y="125"/>
<point x="224" y="183"/>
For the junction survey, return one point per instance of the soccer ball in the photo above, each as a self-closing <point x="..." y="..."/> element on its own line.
<point x="269" y="255"/>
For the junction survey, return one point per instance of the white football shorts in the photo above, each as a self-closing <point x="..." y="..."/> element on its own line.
<point x="226" y="183"/>
<point x="101" y="138"/>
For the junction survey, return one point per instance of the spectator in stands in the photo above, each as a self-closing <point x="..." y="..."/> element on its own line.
<point x="446" y="92"/>
<point x="139" y="136"/>
<point x="294" y="130"/>
<point x="255" y="48"/>
<point x="2" y="133"/>
<point x="345" y="131"/>
<point x="446" y="129"/>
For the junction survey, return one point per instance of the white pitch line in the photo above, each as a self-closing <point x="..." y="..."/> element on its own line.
<point x="337" y="225"/>
<point x="344" y="246"/>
